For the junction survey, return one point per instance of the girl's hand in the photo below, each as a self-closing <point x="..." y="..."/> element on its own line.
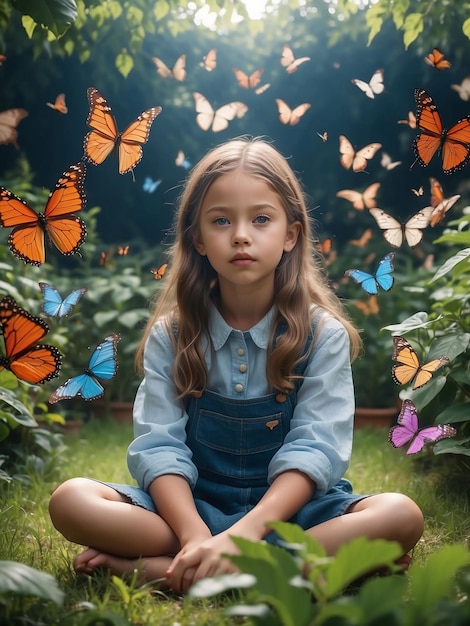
<point x="200" y="560"/>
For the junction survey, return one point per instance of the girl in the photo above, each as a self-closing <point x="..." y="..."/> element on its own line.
<point x="245" y="411"/>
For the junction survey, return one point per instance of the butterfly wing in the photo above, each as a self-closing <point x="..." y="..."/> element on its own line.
<point x="439" y="212"/>
<point x="376" y="83"/>
<point x="456" y="146"/>
<point x="407" y="425"/>
<point x="431" y="434"/>
<point x="384" y="272"/>
<point x="150" y="185"/>
<point x="227" y="113"/>
<point x="59" y="104"/>
<point x="9" y="120"/>
<point x="413" y="228"/>
<point x="210" y="60"/>
<point x="101" y="140"/>
<point x="426" y="371"/>
<point x="66" y="231"/>
<point x="392" y="228"/>
<point x="162" y="69"/>
<point x="54" y="305"/>
<point x="355" y="197"/>
<point x="347" y="152"/>
<point x="463" y="89"/>
<point x="205" y="112"/>
<point x="407" y="362"/>
<point x="428" y="120"/>
<point x="29" y="361"/>
<point x="179" y="69"/>
<point x="363" y="86"/>
<point x="436" y="59"/>
<point x="26" y="240"/>
<point x="102" y="365"/>
<point x="133" y="138"/>
<point x="363" y="155"/>
<point x="364" y="279"/>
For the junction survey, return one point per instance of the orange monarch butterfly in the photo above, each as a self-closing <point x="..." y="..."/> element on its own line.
<point x="357" y="160"/>
<point x="9" y="120"/>
<point x="408" y="366"/>
<point x="59" y="104"/>
<point x="160" y="272"/>
<point x="104" y="136"/>
<point x="246" y="81"/>
<point x="454" y="143"/>
<point x="57" y="224"/>
<point x="436" y="60"/>
<point x="29" y="361"/>
<point x="360" y="199"/>
<point x="395" y="232"/>
<point x="291" y="116"/>
<point x="369" y="307"/>
<point x="289" y="61"/>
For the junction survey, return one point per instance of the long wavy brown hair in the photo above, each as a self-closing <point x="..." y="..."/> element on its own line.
<point x="300" y="286"/>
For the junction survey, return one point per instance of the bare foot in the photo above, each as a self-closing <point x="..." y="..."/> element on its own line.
<point x="148" y="568"/>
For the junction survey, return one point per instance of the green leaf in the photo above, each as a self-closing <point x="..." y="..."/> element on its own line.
<point x="449" y="265"/>
<point x="56" y="15"/>
<point x="124" y="63"/>
<point x="454" y="413"/>
<point x="435" y="579"/>
<point x="466" y="27"/>
<point x="23" y="580"/>
<point x="417" y="320"/>
<point x="450" y="345"/>
<point x="412" y="27"/>
<point x="29" y="25"/>
<point x="161" y="9"/>
<point x="357" y="558"/>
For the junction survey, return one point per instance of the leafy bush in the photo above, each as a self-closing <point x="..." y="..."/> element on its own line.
<point x="445" y="331"/>
<point x="302" y="586"/>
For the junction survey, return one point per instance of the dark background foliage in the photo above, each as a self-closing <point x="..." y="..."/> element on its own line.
<point x="51" y="142"/>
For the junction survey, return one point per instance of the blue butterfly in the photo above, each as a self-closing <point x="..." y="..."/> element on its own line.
<point x="182" y="161"/>
<point x="383" y="276"/>
<point x="102" y="366"/>
<point x="150" y="185"/>
<point x="54" y="305"/>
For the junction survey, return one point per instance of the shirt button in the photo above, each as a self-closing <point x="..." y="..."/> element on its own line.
<point x="239" y="388"/>
<point x="243" y="368"/>
<point x="240" y="351"/>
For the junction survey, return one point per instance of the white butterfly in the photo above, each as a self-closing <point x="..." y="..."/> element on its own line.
<point x="289" y="61"/>
<point x="217" y="120"/>
<point x="209" y="62"/>
<point x="361" y="200"/>
<point x="374" y="87"/>
<point x="411" y="121"/>
<point x="291" y="116"/>
<point x="178" y="72"/>
<point x="357" y="160"/>
<point x="387" y="163"/>
<point x="9" y="120"/>
<point x="395" y="232"/>
<point x="463" y="89"/>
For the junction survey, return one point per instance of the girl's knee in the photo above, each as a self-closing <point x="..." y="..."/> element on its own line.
<point x="65" y="501"/>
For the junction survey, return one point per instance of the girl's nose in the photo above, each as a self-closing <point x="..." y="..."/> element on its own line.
<point x="240" y="236"/>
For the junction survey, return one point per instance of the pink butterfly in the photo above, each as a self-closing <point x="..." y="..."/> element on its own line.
<point x="407" y="430"/>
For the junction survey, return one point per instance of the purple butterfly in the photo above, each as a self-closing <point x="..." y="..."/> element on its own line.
<point x="407" y="430"/>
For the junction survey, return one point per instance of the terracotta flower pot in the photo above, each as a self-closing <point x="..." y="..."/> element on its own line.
<point x="378" y="418"/>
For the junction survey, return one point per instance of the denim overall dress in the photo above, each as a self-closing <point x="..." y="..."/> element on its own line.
<point x="232" y="442"/>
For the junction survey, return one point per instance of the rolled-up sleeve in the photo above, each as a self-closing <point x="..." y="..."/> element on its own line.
<point x="159" y="418"/>
<point x="319" y="441"/>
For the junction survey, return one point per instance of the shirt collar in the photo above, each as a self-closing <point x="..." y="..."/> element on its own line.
<point x="220" y="331"/>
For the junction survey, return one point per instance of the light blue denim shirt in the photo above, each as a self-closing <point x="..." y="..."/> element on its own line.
<point x="320" y="438"/>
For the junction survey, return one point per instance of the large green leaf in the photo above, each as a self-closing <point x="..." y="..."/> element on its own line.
<point x="56" y="15"/>
<point x="24" y="580"/>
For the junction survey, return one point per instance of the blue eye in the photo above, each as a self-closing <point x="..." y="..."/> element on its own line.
<point x="221" y="221"/>
<point x="262" y="219"/>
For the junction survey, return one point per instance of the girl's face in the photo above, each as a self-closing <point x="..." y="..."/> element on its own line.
<point x="243" y="230"/>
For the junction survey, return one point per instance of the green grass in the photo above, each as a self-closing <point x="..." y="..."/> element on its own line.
<point x="99" y="451"/>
